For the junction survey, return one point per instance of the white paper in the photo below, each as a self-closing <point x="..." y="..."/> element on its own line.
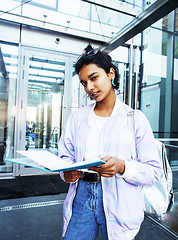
<point x="53" y="162"/>
<point x="27" y="162"/>
<point x="45" y="158"/>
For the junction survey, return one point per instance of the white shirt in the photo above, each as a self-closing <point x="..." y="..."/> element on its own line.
<point x="92" y="149"/>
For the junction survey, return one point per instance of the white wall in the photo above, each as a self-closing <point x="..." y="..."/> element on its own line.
<point x="46" y="40"/>
<point x="9" y="33"/>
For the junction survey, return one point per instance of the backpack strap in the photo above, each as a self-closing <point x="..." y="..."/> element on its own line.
<point x="131" y="126"/>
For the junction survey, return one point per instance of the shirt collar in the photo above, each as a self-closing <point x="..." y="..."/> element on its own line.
<point x="116" y="110"/>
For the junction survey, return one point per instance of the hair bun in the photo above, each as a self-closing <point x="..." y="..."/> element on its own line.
<point x="88" y="48"/>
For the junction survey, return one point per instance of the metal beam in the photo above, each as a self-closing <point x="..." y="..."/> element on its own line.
<point x="152" y="14"/>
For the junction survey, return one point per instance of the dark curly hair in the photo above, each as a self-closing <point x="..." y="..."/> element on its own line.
<point x="101" y="59"/>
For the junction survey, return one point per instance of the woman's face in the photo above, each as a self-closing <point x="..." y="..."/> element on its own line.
<point x="96" y="82"/>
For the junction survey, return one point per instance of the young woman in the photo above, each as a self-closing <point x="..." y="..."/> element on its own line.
<point x="108" y="196"/>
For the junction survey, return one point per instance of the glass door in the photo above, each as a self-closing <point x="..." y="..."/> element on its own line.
<point x="43" y="102"/>
<point x="8" y="83"/>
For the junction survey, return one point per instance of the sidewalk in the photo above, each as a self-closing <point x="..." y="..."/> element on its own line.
<point x="40" y="217"/>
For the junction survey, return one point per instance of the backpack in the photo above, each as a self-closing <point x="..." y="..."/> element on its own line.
<point x="159" y="198"/>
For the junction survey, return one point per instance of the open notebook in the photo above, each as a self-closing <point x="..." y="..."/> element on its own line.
<point x="44" y="160"/>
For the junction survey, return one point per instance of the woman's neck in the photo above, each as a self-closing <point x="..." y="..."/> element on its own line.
<point x="105" y="107"/>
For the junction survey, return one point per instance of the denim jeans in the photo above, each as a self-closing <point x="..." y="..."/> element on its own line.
<point x="87" y="214"/>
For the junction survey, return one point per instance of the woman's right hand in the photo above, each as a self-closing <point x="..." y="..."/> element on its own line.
<point x="72" y="176"/>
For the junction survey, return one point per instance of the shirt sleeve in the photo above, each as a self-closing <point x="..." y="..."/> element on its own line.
<point x="66" y="144"/>
<point x="147" y="168"/>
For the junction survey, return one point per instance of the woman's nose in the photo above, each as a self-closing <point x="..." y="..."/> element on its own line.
<point x="90" y="86"/>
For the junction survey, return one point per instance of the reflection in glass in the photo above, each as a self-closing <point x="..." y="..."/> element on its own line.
<point x="8" y="81"/>
<point x="44" y="104"/>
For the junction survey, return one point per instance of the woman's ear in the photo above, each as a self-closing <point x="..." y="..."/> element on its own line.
<point x="112" y="73"/>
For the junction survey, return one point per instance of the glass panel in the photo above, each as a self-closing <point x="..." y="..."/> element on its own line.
<point x="165" y="23"/>
<point x="107" y="22"/>
<point x="96" y="19"/>
<point x="120" y="54"/>
<point x="174" y="152"/>
<point x="159" y="95"/>
<point x="176" y="21"/>
<point x="155" y="56"/>
<point x="135" y="3"/>
<point x="123" y="72"/>
<point x="47" y="3"/>
<point x="157" y="81"/>
<point x="44" y="104"/>
<point x="75" y="91"/>
<point x="8" y="81"/>
<point x="10" y="6"/>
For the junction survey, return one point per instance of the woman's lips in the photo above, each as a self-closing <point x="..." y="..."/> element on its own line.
<point x="95" y="94"/>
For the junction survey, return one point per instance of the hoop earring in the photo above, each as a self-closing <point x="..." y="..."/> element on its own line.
<point x="112" y="82"/>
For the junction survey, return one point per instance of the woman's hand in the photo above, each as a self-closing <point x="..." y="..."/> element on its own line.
<point x="112" y="166"/>
<point x="72" y="176"/>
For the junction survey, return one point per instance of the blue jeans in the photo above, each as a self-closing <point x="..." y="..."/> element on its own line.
<point x="87" y="214"/>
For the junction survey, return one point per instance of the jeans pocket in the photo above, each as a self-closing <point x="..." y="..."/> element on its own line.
<point x="81" y="195"/>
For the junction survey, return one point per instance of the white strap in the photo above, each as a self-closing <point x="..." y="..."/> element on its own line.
<point x="131" y="125"/>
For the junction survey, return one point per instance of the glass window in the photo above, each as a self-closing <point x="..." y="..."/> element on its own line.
<point x="135" y="3"/>
<point x="120" y="54"/>
<point x="64" y="13"/>
<point x="10" y="6"/>
<point x="165" y="23"/>
<point x="8" y="81"/>
<point x="110" y="17"/>
<point x="123" y="72"/>
<point x="159" y="94"/>
<point x="155" y="56"/>
<point x="176" y="21"/>
<point x="75" y="91"/>
<point x="174" y="153"/>
<point x="157" y="80"/>
<point x="44" y="104"/>
<point x="48" y="3"/>
<point x="73" y="9"/>
<point x="45" y="4"/>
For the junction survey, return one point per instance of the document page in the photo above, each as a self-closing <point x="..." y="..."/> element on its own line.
<point x="45" y="159"/>
<point x="54" y="163"/>
<point x="27" y="162"/>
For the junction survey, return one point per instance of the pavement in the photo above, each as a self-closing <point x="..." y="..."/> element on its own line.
<point x="40" y="218"/>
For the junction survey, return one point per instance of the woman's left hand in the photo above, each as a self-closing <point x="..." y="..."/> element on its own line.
<point x="112" y="166"/>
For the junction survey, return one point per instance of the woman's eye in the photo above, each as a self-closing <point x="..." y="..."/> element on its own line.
<point x="93" y="78"/>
